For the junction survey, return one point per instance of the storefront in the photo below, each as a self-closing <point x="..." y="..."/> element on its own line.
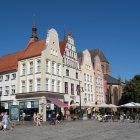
<point x="41" y="102"/>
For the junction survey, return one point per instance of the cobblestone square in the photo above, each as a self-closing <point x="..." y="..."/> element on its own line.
<point x="76" y="130"/>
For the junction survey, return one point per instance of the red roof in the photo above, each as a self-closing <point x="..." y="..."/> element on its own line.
<point x="62" y="45"/>
<point x="34" y="49"/>
<point x="10" y="62"/>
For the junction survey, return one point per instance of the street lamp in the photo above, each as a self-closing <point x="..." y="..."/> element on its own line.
<point x="0" y="99"/>
<point x="80" y="90"/>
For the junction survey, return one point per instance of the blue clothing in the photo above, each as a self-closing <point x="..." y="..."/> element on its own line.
<point x="5" y="119"/>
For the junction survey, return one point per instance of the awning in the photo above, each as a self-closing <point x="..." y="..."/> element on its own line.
<point x="57" y="102"/>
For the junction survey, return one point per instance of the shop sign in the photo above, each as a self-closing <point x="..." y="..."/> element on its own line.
<point x="14" y="112"/>
<point x="28" y="104"/>
<point x="52" y="106"/>
<point x="6" y="105"/>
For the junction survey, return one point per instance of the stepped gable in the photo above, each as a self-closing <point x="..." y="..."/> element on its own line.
<point x="62" y="45"/>
<point x="98" y="52"/>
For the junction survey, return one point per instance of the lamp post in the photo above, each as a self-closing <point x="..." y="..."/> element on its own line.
<point x="80" y="90"/>
<point x="0" y="99"/>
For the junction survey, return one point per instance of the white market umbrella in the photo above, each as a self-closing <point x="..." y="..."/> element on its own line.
<point x="129" y="105"/>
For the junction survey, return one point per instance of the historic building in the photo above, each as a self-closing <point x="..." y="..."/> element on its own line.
<point x="87" y="79"/>
<point x="114" y="90"/>
<point x="40" y="74"/>
<point x="8" y="76"/>
<point x="112" y="86"/>
<point x="71" y="72"/>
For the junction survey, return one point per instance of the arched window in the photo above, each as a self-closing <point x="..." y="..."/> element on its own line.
<point x="115" y="93"/>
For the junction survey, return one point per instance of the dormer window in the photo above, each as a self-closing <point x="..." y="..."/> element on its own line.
<point x="7" y="78"/>
<point x="13" y="76"/>
<point x="23" y="68"/>
<point x="38" y="65"/>
<point x="1" y="78"/>
<point x="31" y="67"/>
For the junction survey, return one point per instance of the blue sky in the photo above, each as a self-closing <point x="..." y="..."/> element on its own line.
<point x="110" y="25"/>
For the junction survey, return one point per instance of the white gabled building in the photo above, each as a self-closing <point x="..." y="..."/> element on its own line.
<point x="40" y="75"/>
<point x="71" y="72"/>
<point x="8" y="77"/>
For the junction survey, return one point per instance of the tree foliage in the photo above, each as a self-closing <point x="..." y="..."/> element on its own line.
<point x="131" y="91"/>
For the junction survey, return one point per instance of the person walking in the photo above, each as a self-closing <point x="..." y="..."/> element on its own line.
<point x="38" y="120"/>
<point x="5" y="121"/>
<point x="35" y="118"/>
<point x="23" y="116"/>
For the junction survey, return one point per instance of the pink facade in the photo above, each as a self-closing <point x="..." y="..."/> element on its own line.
<point x="99" y="81"/>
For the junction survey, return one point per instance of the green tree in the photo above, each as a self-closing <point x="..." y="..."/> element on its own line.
<point x="131" y="91"/>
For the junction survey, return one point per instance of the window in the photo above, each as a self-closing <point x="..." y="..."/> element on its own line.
<point x="47" y="66"/>
<point x="72" y="89"/>
<point x="88" y="97"/>
<point x="91" y="88"/>
<point x="76" y="75"/>
<point x="85" y="86"/>
<point x="85" y="76"/>
<point x="30" y="85"/>
<point x="0" y="91"/>
<point x="23" y="68"/>
<point x="58" y="86"/>
<point x="31" y="68"/>
<point x="92" y="97"/>
<point x="13" y="76"/>
<point x="90" y="78"/>
<point x="66" y="87"/>
<point x="7" y="78"/>
<point x="1" y="78"/>
<point x="67" y="72"/>
<point x="53" y="69"/>
<point x="58" y="69"/>
<point x="47" y="84"/>
<point x="23" y="86"/>
<point x="13" y="89"/>
<point x="39" y="65"/>
<point x="88" y="87"/>
<point x="78" y="90"/>
<point x="38" y="84"/>
<point x="6" y="90"/>
<point x="53" y="85"/>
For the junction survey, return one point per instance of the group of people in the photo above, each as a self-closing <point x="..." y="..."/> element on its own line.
<point x="55" y="118"/>
<point x="37" y="119"/>
<point x="4" y="120"/>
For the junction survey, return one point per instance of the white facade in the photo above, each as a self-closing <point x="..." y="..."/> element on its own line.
<point x="87" y="74"/>
<point x="71" y="72"/>
<point x="7" y="88"/>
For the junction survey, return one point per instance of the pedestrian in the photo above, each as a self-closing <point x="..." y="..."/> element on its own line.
<point x="53" y="118"/>
<point x="5" y="121"/>
<point x="35" y="117"/>
<point x="67" y="114"/>
<point x="38" y="120"/>
<point x="58" y="118"/>
<point x="23" y="116"/>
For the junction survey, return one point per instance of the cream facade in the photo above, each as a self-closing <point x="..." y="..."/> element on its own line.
<point x="41" y="75"/>
<point x="87" y="82"/>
